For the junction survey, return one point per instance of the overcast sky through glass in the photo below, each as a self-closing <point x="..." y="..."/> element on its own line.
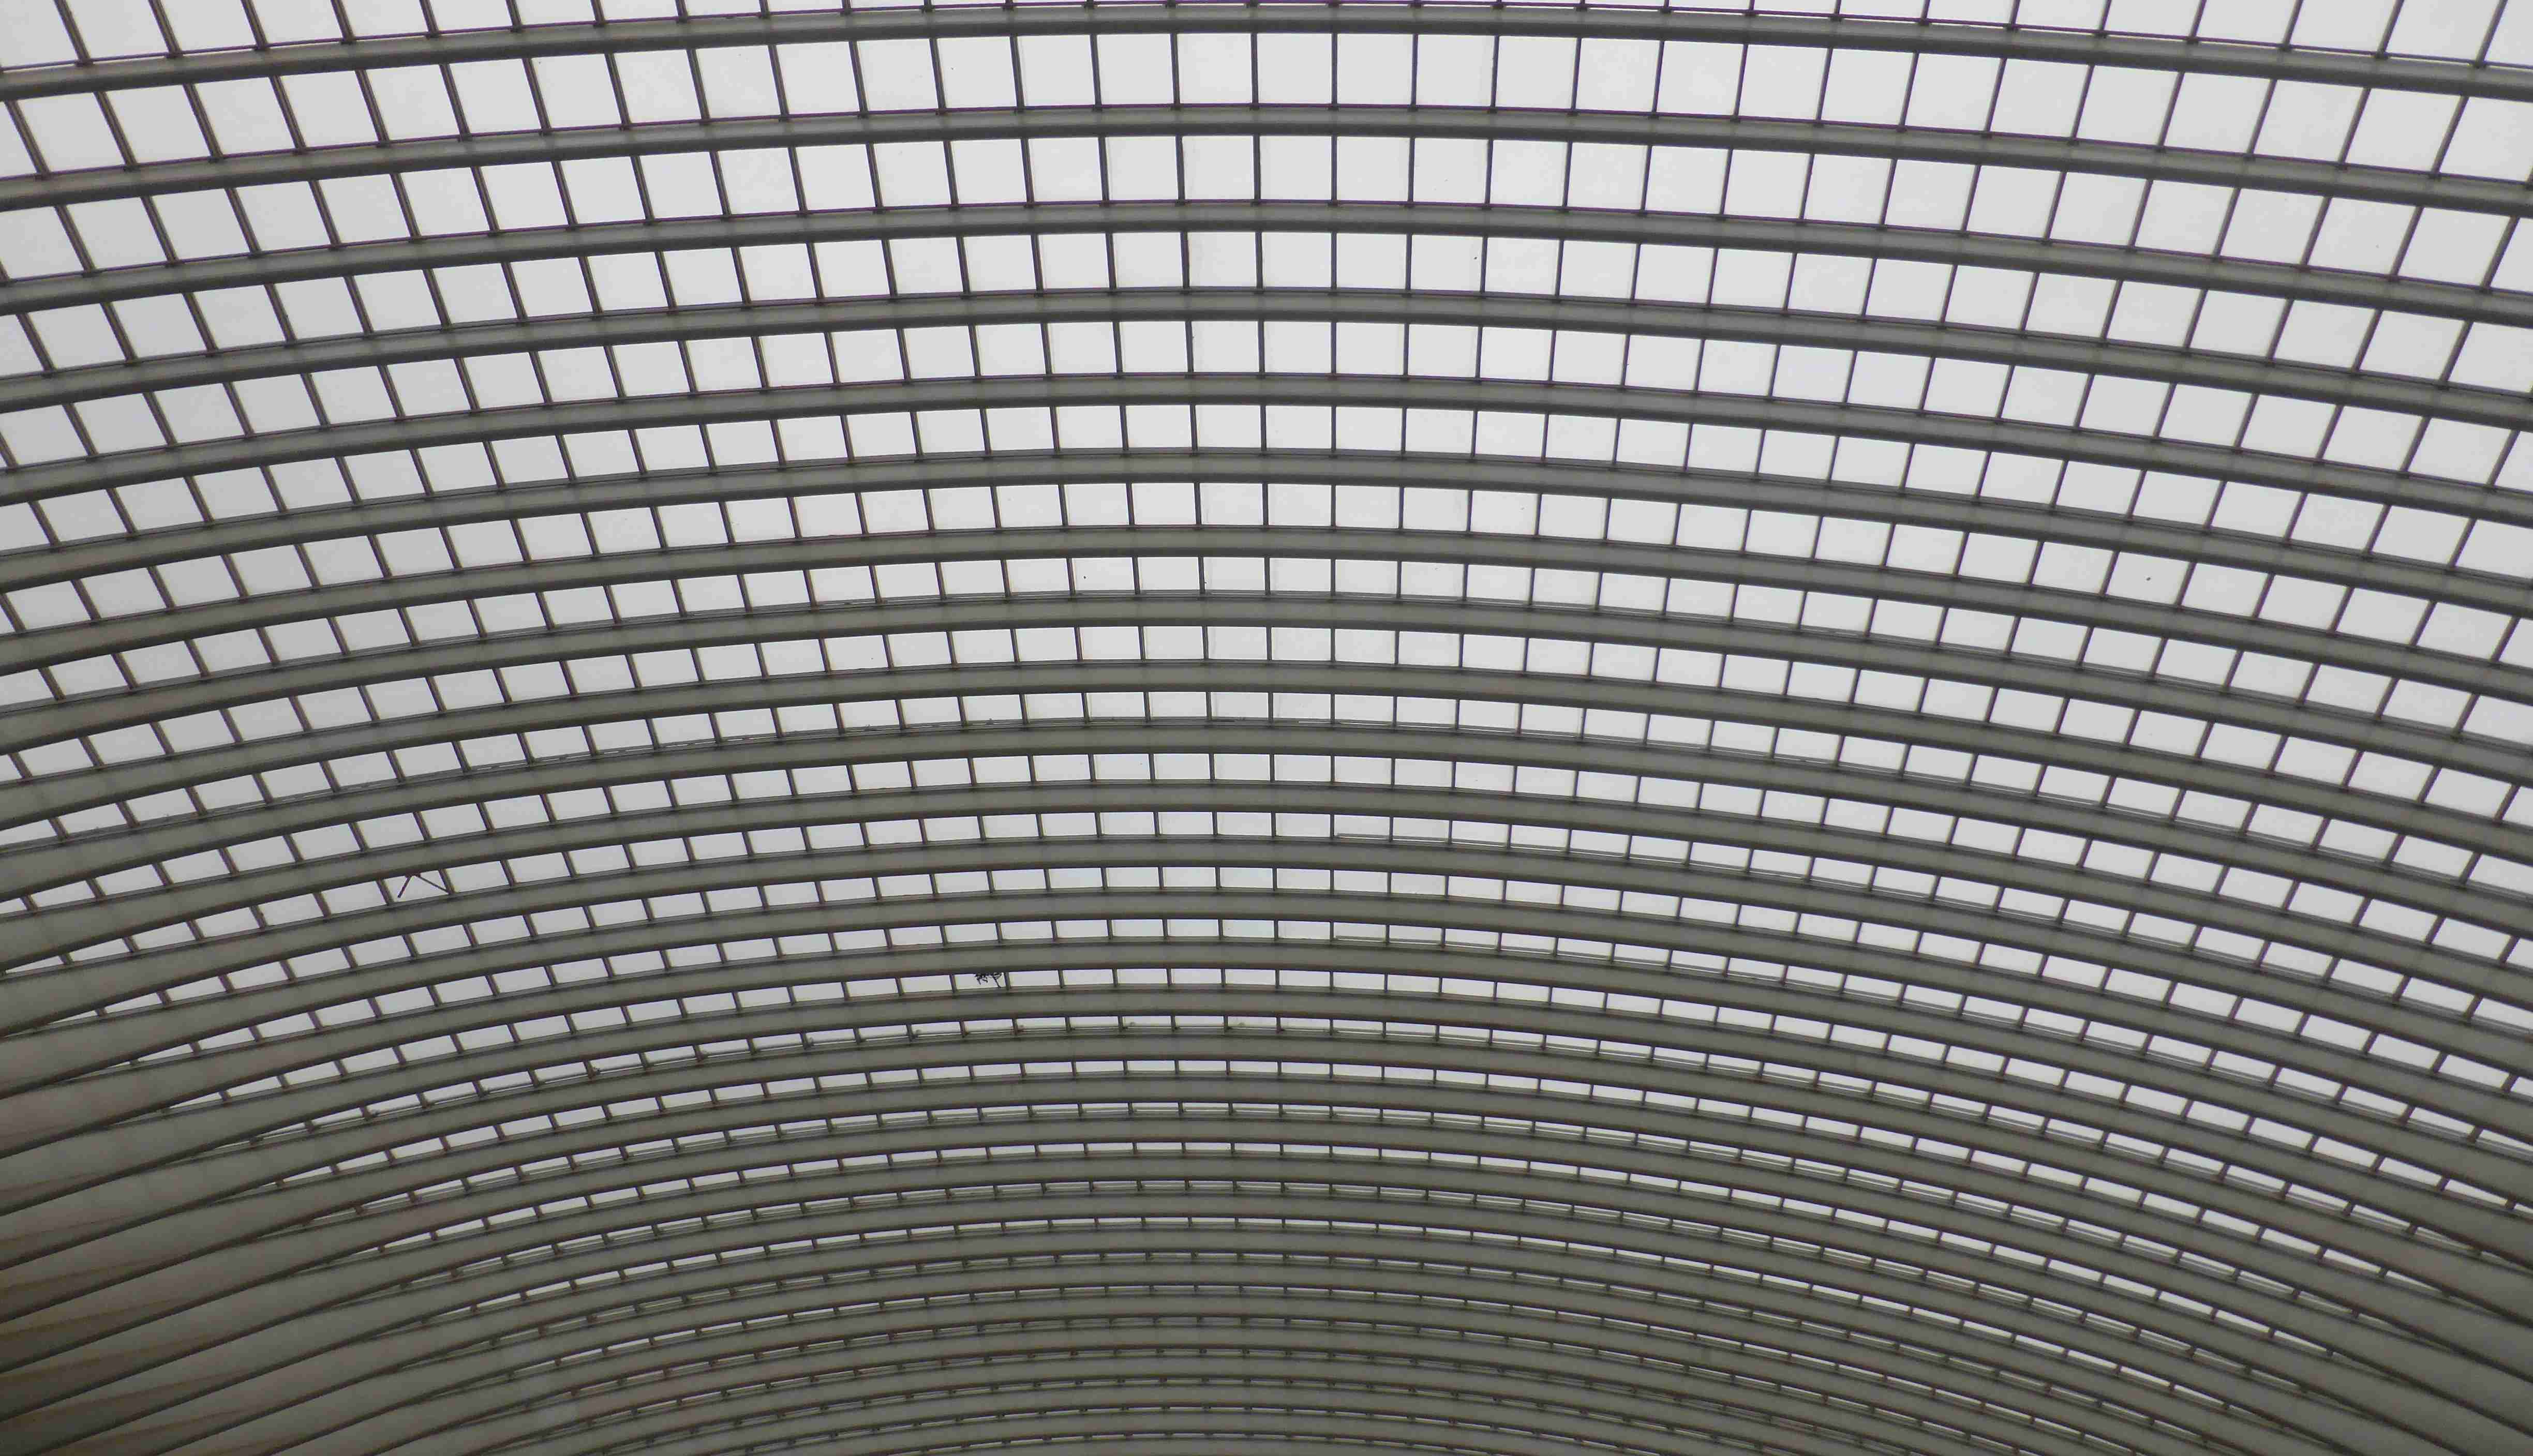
<point x="737" y="728"/>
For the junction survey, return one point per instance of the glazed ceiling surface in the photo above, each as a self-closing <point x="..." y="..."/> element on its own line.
<point x="1276" y="727"/>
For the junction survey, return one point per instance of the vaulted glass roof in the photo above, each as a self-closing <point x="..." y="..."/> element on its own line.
<point x="758" y="725"/>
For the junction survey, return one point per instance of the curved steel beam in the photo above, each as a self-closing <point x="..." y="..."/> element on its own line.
<point x="393" y="1350"/>
<point x="1552" y="1427"/>
<point x="1287" y="1441"/>
<point x="1182" y="1432"/>
<point x="232" y="1272"/>
<point x="1286" y="1438"/>
<point x="1095" y="1427"/>
<point x="103" y="713"/>
<point x="1482" y="1223"/>
<point x="89" y="1104"/>
<point x="76" y="925"/>
<point x="1249" y="392"/>
<point x="152" y="1223"/>
<point x="79" y="1158"/>
<point x="255" y="1282"/>
<point x="71" y="793"/>
<point x="2243" y="634"/>
<point x="385" y="1346"/>
<point x="1473" y="1203"/>
<point x="2162" y="364"/>
<point x="65" y="1190"/>
<point x="106" y="981"/>
<point x="2102" y="531"/>
<point x="1478" y="219"/>
<point x="178" y="697"/>
<point x="2445" y="191"/>
<point x="1238" y="1354"/>
<point x="2004" y="43"/>
<point x="231" y="1278"/>
<point x="34" y="870"/>
<point x="426" y="1390"/>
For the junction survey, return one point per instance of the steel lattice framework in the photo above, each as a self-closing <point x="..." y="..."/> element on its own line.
<point x="1275" y="729"/>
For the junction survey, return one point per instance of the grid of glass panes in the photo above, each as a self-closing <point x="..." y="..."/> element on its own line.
<point x="822" y="853"/>
<point x="1895" y="577"/>
<point x="659" y="1211"/>
<point x="310" y="829"/>
<point x="181" y="563"/>
<point x="280" y="602"/>
<point x="2324" y="328"/>
<point x="2485" y="30"/>
<point x="596" y="84"/>
<point x="2375" y="334"/>
<point x="810" y="1325"/>
<point x="2292" y="606"/>
<point x="657" y="975"/>
<point x="665" y="1183"/>
<point x="271" y="339"/>
<point x="963" y="1029"/>
<point x="138" y="799"/>
<point x="1963" y="1231"/>
<point x="1493" y="653"/>
<point x="816" y="1338"/>
<point x="2290" y="112"/>
<point x="662" y="1193"/>
<point x="1820" y="1024"/>
<point x="760" y="652"/>
<point x="868" y="794"/>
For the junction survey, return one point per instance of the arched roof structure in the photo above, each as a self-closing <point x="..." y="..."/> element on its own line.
<point x="1265" y="729"/>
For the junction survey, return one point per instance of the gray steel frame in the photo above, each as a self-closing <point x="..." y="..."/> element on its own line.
<point x="1492" y="220"/>
<point x="354" y="1324"/>
<point x="2011" y="43"/>
<point x="102" y="855"/>
<point x="84" y="1237"/>
<point x="2504" y="763"/>
<point x="1252" y="1354"/>
<point x="1328" y="392"/>
<point x="1874" y="1262"/>
<point x="222" y="1239"/>
<point x="38" y="566"/>
<point x="86" y="1110"/>
<point x="1267" y="1438"/>
<point x="75" y="1160"/>
<point x="2463" y="673"/>
<point x="110" y="981"/>
<point x="396" y="1369"/>
<point x="2444" y="190"/>
<point x="71" y="793"/>
<point x="2491" y="407"/>
<point x="28" y="728"/>
<point x="72" y="927"/>
<point x="1185" y="1434"/>
<point x="372" y="1317"/>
